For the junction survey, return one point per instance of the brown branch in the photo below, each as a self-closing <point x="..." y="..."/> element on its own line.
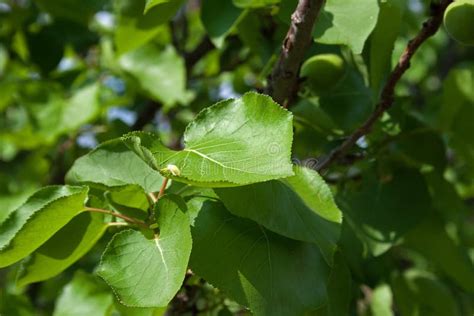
<point x="430" y="27"/>
<point x="283" y="81"/>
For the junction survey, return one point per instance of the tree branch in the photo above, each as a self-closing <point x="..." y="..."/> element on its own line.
<point x="283" y="81"/>
<point x="430" y="27"/>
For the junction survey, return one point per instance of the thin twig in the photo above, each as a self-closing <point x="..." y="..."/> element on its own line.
<point x="112" y="224"/>
<point x="153" y="198"/>
<point x="283" y="81"/>
<point x="163" y="188"/>
<point x="430" y="27"/>
<point x="124" y="217"/>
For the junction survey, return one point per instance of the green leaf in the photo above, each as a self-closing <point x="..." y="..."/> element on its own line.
<point x="130" y="200"/>
<point x="377" y="212"/>
<point x="349" y="103"/>
<point x="254" y="3"/>
<point x="147" y="272"/>
<point x="339" y="289"/>
<point x="457" y="93"/>
<point x="299" y="207"/>
<point x="347" y="22"/>
<point x="431" y="240"/>
<point x="233" y="142"/>
<point x="135" y="28"/>
<point x="42" y="215"/>
<point x="382" y="41"/>
<point x="113" y="164"/>
<point x="138" y="311"/>
<point x="84" y="295"/>
<point x="82" y="107"/>
<point x="457" y="110"/>
<point x="258" y="42"/>
<point x="63" y="249"/>
<point x="160" y="73"/>
<point x="153" y="3"/>
<point x="219" y="25"/>
<point x="270" y="274"/>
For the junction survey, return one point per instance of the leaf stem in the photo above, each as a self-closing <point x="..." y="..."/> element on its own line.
<point x="111" y="224"/>
<point x="163" y="188"/>
<point x="124" y="217"/>
<point x="153" y="197"/>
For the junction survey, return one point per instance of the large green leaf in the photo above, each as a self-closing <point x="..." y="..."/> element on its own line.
<point x="160" y="73"/>
<point x="299" y="207"/>
<point x="63" y="249"/>
<point x="347" y="22"/>
<point x="339" y="289"/>
<point x="84" y="295"/>
<point x="114" y="164"/>
<point x="269" y="273"/>
<point x="42" y="215"/>
<point x="135" y="28"/>
<point x="233" y="142"/>
<point x="377" y="212"/>
<point x="147" y="272"/>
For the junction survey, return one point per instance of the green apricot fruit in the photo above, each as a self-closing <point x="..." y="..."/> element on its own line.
<point x="322" y="72"/>
<point x="459" y="21"/>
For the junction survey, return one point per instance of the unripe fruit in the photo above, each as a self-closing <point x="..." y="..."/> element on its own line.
<point x="323" y="71"/>
<point x="459" y="21"/>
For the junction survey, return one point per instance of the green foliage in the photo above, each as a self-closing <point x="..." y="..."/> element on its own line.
<point x="103" y="166"/>
<point x="255" y="266"/>
<point x="161" y="74"/>
<point x="33" y="223"/>
<point x="54" y="256"/>
<point x="147" y="271"/>
<point x="231" y="143"/>
<point x="85" y="294"/>
<point x="143" y="170"/>
<point x="268" y="204"/>
<point x="347" y="22"/>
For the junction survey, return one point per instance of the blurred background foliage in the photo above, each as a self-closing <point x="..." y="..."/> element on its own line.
<point x="76" y="73"/>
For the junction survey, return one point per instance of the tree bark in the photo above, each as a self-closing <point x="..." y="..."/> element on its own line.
<point x="283" y="81"/>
